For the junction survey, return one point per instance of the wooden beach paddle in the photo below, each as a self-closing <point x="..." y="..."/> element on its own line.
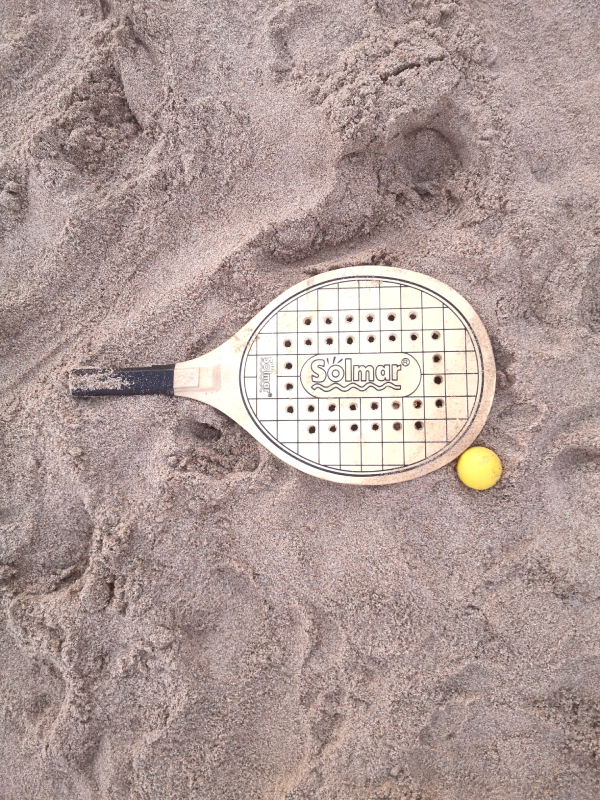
<point x="365" y="375"/>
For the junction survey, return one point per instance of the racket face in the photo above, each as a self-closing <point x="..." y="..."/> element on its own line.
<point x="368" y="375"/>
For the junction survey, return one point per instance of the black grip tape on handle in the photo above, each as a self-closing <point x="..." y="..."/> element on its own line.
<point x="134" y="380"/>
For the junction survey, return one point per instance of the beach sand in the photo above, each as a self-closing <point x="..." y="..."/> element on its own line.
<point x="182" y="614"/>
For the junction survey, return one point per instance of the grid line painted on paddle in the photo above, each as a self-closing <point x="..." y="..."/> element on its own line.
<point x="365" y="329"/>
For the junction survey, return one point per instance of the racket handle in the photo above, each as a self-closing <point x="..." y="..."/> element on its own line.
<point x="134" y="380"/>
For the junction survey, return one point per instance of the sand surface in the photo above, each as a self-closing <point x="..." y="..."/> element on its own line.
<point x="182" y="614"/>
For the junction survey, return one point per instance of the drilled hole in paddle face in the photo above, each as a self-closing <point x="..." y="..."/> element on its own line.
<point x="328" y="320"/>
<point x="414" y="337"/>
<point x="312" y="429"/>
<point x="439" y="403"/>
<point x="329" y="340"/>
<point x="374" y="406"/>
<point x="370" y="317"/>
<point x="311" y="409"/>
<point x="397" y="426"/>
<point x="438" y="379"/>
<point x="289" y="387"/>
<point x="354" y="427"/>
<point x="290" y="409"/>
<point x="333" y="428"/>
<point x="287" y="343"/>
<point x="349" y="318"/>
<point x="288" y="364"/>
<point x="412" y="315"/>
<point x="417" y="404"/>
<point x="437" y="358"/>
<point x="436" y="335"/>
<point x="375" y="426"/>
<point x="350" y="340"/>
<point x="352" y="406"/>
<point x="370" y="339"/>
<point x="419" y="425"/>
<point x="308" y="320"/>
<point x="331" y="406"/>
<point x="391" y="317"/>
<point x="392" y="337"/>
<point x="395" y="405"/>
<point x="308" y="342"/>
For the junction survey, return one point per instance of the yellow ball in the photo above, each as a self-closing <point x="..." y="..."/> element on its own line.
<point x="479" y="468"/>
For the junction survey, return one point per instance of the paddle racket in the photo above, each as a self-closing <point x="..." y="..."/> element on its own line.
<point x="365" y="375"/>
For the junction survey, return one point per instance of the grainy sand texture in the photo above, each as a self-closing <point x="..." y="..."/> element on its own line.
<point x="183" y="615"/>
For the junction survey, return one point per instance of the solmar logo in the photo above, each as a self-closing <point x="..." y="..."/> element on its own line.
<point x="264" y="376"/>
<point x="366" y="374"/>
